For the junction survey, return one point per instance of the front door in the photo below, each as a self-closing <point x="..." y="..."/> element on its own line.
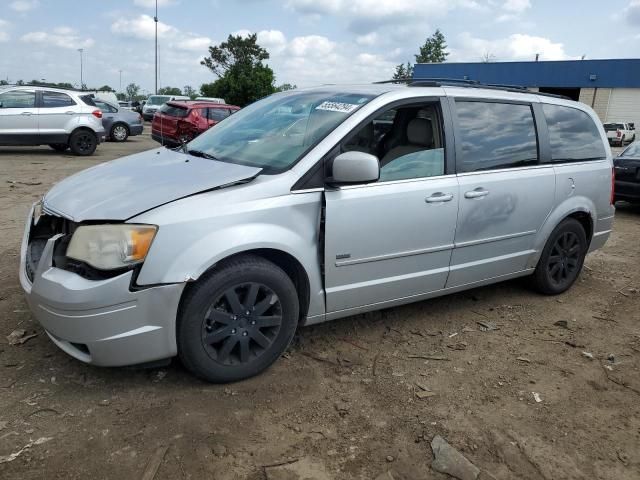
<point x="505" y="193"/>
<point x="392" y="239"/>
<point x="18" y="117"/>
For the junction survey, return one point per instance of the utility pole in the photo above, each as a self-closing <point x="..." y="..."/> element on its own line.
<point x="81" y="81"/>
<point x="155" y="19"/>
<point x="120" y="81"/>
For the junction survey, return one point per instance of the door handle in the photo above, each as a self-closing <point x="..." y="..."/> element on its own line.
<point x="439" y="197"/>
<point x="477" y="193"/>
<point x="25" y="113"/>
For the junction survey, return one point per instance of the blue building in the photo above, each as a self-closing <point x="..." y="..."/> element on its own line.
<point x="610" y="87"/>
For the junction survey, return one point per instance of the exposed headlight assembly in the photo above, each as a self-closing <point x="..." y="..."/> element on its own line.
<point x="109" y="247"/>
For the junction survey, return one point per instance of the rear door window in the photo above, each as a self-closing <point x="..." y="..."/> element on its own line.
<point x="18" y="99"/>
<point x="218" y="114"/>
<point x="573" y="135"/>
<point x="56" y="100"/>
<point x="495" y="135"/>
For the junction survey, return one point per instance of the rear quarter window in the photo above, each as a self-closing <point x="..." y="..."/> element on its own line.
<point x="573" y="135"/>
<point x="174" y="111"/>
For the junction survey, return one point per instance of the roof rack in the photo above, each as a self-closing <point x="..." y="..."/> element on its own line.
<point x="463" y="82"/>
<point x="41" y="85"/>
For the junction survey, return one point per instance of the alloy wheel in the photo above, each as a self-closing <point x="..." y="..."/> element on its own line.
<point x="84" y="142"/>
<point x="564" y="261"/>
<point x="119" y="133"/>
<point x="241" y="324"/>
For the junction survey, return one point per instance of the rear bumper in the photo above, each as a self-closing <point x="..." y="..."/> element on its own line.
<point x="164" y="140"/>
<point x="101" y="322"/>
<point x="627" y="190"/>
<point x="135" y="130"/>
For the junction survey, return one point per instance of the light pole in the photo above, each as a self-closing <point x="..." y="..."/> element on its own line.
<point x="120" y="80"/>
<point x="81" y="82"/>
<point x="155" y="19"/>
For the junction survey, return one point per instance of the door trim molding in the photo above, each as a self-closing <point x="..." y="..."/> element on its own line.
<point x="471" y="243"/>
<point x="390" y="256"/>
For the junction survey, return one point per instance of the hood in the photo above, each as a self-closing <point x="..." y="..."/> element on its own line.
<point x="123" y="188"/>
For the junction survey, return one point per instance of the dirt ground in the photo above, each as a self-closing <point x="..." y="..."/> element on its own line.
<point x="343" y="402"/>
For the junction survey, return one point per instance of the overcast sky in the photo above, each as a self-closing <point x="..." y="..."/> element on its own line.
<point x="310" y="41"/>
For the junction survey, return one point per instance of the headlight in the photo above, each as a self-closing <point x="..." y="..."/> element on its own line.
<point x="108" y="247"/>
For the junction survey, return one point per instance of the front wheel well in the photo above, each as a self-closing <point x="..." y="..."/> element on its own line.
<point x="287" y="262"/>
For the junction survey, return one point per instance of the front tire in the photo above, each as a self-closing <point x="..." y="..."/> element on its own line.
<point x="238" y="320"/>
<point x="562" y="258"/>
<point x="119" y="132"/>
<point x="83" y="142"/>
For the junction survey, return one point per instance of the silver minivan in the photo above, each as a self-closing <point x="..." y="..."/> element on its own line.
<point x="311" y="205"/>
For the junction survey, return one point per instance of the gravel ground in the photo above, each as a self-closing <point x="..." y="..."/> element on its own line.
<point x="345" y="401"/>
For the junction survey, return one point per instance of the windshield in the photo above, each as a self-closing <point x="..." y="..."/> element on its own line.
<point x="157" y="99"/>
<point x="173" y="110"/>
<point x="274" y="133"/>
<point x="612" y="127"/>
<point x="632" y="150"/>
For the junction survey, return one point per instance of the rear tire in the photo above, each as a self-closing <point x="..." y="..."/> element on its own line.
<point x="562" y="258"/>
<point x="238" y="320"/>
<point x="59" y="147"/>
<point x="119" y="132"/>
<point x="83" y="142"/>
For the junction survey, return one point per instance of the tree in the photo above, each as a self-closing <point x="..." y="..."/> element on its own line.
<point x="105" y="88"/>
<point x="285" y="87"/>
<point x="402" y="72"/>
<point x="242" y="77"/>
<point x="4" y="82"/>
<point x="189" y="91"/>
<point x="488" y="57"/>
<point x="434" y="49"/>
<point x="121" y="96"/>
<point x="132" y="91"/>
<point x="169" y="91"/>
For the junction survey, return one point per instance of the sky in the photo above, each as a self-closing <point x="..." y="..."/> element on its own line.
<point x="310" y="42"/>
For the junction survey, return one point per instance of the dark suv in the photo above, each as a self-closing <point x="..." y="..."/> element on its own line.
<point x="179" y="122"/>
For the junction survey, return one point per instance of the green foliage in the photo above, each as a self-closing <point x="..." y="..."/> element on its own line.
<point x="242" y="77"/>
<point x="285" y="87"/>
<point x="121" y="97"/>
<point x="169" y="91"/>
<point x="132" y="91"/>
<point x="434" y="49"/>
<point x="105" y="88"/>
<point x="4" y="82"/>
<point x="403" y="71"/>
<point x="190" y="92"/>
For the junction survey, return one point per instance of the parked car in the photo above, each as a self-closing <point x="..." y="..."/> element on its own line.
<point x="62" y="119"/>
<point x="119" y="123"/>
<point x="179" y="122"/>
<point x="620" y="133"/>
<point x="154" y="102"/>
<point x="627" y="174"/>
<point x="125" y="105"/>
<point x="218" y="251"/>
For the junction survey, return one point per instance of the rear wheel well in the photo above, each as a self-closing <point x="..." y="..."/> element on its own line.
<point x="587" y="223"/>
<point x="288" y="263"/>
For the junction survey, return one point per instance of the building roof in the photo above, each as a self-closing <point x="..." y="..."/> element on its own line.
<point x="622" y="73"/>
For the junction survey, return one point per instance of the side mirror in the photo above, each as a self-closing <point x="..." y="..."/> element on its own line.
<point x="355" y="167"/>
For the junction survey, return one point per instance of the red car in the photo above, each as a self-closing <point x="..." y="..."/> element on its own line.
<point x="180" y="121"/>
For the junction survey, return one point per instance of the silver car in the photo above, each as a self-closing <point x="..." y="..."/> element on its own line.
<point x="119" y="123"/>
<point x="312" y="205"/>
<point x="62" y="119"/>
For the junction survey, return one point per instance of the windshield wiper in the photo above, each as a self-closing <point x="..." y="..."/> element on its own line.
<point x="200" y="153"/>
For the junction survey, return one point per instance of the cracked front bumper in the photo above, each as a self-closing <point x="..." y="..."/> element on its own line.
<point x="101" y="322"/>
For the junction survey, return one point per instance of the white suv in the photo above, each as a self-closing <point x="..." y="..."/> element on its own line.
<point x="31" y="115"/>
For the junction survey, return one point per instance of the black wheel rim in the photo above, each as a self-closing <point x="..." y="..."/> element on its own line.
<point x="241" y="324"/>
<point x="564" y="260"/>
<point x="84" y="142"/>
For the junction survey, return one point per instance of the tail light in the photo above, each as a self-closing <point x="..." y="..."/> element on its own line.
<point x="97" y="113"/>
<point x="613" y="186"/>
<point x="618" y="133"/>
